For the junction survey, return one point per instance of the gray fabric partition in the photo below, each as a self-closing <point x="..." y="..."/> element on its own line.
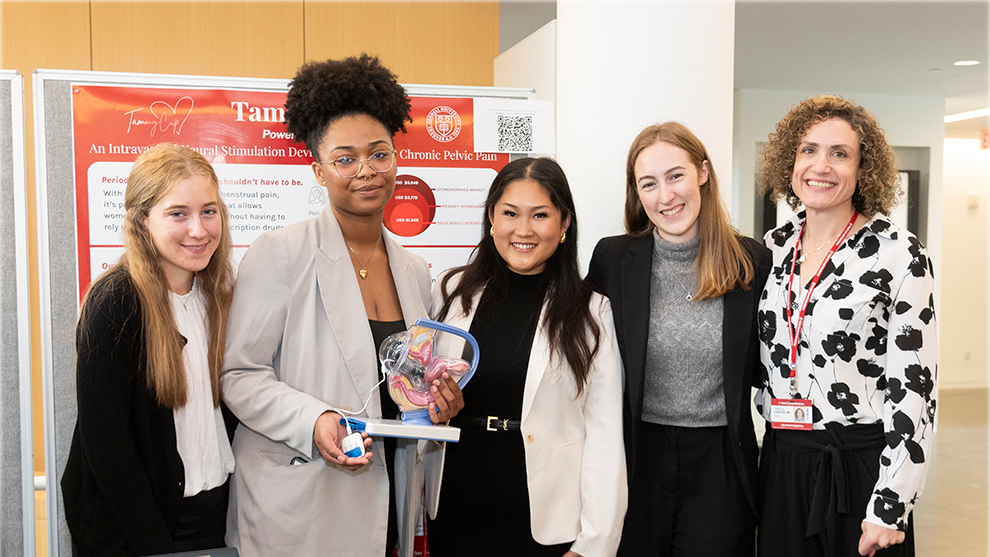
<point x="16" y="466"/>
<point x="57" y="262"/>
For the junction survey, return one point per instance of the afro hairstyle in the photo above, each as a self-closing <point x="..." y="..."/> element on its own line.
<point x="323" y="92"/>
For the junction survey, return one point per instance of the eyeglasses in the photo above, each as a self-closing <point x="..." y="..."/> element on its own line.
<point x="349" y="167"/>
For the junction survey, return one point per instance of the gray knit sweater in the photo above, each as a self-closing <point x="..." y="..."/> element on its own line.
<point x="684" y="352"/>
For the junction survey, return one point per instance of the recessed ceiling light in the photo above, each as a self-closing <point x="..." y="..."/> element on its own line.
<point x="935" y="70"/>
<point x="965" y="62"/>
<point x="967" y="115"/>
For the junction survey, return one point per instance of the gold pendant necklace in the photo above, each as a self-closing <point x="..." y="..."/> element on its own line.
<point x="364" y="266"/>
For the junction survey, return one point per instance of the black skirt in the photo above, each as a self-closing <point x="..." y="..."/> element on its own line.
<point x="814" y="490"/>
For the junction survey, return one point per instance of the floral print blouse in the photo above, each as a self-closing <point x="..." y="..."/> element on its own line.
<point x="867" y="352"/>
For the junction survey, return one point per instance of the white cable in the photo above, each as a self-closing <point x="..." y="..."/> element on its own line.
<point x="344" y="413"/>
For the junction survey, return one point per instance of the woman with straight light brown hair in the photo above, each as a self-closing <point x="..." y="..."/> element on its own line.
<point x="150" y="458"/>
<point x="684" y="287"/>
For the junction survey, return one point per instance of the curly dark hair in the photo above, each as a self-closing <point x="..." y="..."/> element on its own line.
<point x="876" y="190"/>
<point x="323" y="92"/>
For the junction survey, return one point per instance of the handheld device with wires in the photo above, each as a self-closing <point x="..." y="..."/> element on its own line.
<point x="353" y="444"/>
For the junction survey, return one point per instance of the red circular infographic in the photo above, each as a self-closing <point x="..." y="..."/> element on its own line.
<point x="412" y="207"/>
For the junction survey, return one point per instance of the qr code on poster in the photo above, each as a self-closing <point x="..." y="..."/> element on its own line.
<point x="515" y="134"/>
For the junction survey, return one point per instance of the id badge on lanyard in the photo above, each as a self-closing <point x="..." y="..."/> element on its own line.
<point x="792" y="413"/>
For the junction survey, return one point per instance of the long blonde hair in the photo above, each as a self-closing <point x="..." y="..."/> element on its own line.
<point x="154" y="174"/>
<point x="723" y="261"/>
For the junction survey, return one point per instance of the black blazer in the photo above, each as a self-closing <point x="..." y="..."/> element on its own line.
<point x="621" y="269"/>
<point x="124" y="479"/>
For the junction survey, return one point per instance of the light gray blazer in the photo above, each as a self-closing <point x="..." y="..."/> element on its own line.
<point x="298" y="341"/>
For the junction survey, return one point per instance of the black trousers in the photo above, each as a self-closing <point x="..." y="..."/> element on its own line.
<point x="686" y="497"/>
<point x="814" y="490"/>
<point x="200" y="524"/>
<point x="202" y="520"/>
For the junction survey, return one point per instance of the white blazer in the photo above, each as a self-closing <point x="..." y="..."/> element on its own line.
<point x="575" y="461"/>
<point x="298" y="341"/>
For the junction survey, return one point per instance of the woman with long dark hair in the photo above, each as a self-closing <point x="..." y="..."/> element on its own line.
<point x="539" y="469"/>
<point x="684" y="287"/>
<point x="150" y="457"/>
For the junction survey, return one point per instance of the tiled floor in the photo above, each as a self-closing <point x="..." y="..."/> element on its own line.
<point x="950" y="518"/>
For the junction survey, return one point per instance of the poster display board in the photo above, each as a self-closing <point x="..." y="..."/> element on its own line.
<point x="90" y="126"/>
<point x="265" y="176"/>
<point x="16" y="438"/>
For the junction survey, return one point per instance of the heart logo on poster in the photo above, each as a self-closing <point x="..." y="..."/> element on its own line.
<point x="174" y="117"/>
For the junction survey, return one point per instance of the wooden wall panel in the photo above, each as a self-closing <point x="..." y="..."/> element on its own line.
<point x="449" y="43"/>
<point x="50" y="35"/>
<point x="241" y="39"/>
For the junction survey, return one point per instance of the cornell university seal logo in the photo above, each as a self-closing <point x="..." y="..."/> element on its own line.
<point x="443" y="123"/>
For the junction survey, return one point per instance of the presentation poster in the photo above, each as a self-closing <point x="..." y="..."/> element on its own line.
<point x="265" y="177"/>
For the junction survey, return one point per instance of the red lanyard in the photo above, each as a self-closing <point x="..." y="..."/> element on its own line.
<point x="795" y="333"/>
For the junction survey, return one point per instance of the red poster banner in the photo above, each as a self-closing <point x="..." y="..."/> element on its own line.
<point x="265" y="177"/>
<point x="442" y="184"/>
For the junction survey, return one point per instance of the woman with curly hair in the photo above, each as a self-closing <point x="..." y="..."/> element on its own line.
<point x="150" y="458"/>
<point x="313" y="302"/>
<point x="847" y="324"/>
<point x="684" y="287"/>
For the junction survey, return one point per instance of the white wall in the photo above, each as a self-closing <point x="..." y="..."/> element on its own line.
<point x="624" y="65"/>
<point x="963" y="281"/>
<point x="532" y="64"/>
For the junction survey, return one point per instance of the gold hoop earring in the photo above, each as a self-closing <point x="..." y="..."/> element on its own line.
<point x="563" y="237"/>
<point x="492" y="231"/>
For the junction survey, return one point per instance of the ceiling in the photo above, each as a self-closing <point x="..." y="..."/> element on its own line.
<point x="890" y="48"/>
<point x="879" y="47"/>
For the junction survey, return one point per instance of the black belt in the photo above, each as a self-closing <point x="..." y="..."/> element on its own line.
<point x="491" y="423"/>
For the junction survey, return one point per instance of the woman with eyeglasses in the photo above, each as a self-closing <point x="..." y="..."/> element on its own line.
<point x="313" y="302"/>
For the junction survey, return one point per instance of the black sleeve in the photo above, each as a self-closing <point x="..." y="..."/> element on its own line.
<point x="762" y="259"/>
<point x="599" y="268"/>
<point x="109" y="378"/>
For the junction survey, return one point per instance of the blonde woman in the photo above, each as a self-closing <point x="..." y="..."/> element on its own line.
<point x="150" y="458"/>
